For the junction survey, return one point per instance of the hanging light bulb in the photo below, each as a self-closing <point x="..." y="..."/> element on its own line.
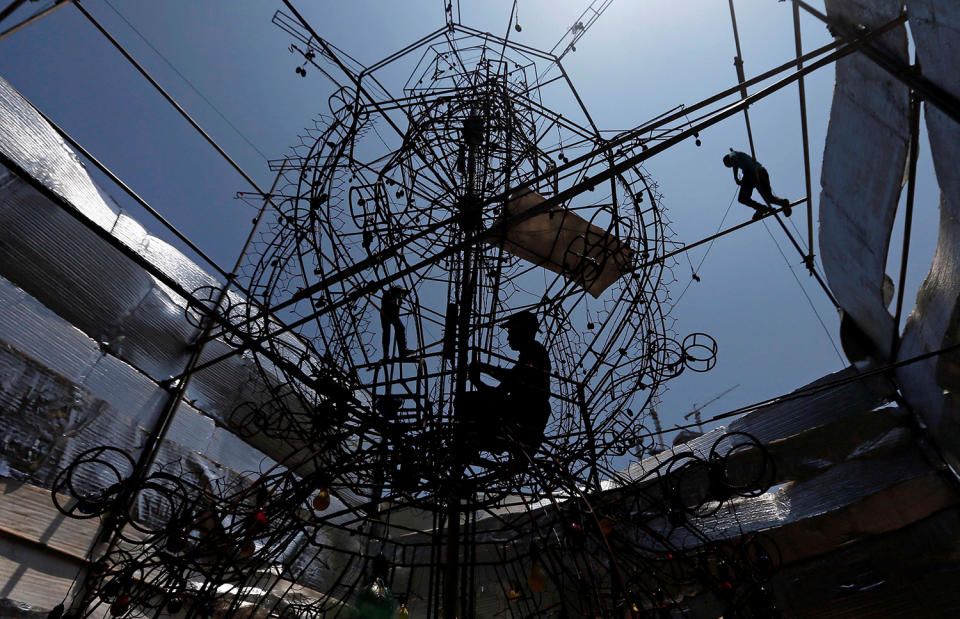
<point x="536" y="579"/>
<point x="258" y="521"/>
<point x="175" y="603"/>
<point x="375" y="601"/>
<point x="575" y="535"/>
<point x="120" y="606"/>
<point x="247" y="548"/>
<point x="322" y="500"/>
<point x="403" y="613"/>
<point x="606" y="527"/>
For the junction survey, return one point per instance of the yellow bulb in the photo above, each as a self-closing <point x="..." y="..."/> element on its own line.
<point x="403" y="613"/>
<point x="322" y="500"/>
<point x="513" y="594"/>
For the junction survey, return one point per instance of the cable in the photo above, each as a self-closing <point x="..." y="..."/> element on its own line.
<point x="707" y="253"/>
<point x="187" y="81"/>
<point x="808" y="391"/>
<point x="804" y="291"/>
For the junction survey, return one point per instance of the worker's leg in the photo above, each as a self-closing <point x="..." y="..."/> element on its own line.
<point x="745" y="196"/>
<point x="763" y="186"/>
<point x="401" y="336"/>
<point x="385" y="335"/>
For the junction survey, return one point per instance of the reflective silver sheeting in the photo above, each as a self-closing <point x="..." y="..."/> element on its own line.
<point x="86" y="335"/>
<point x="65" y="267"/>
<point x="935" y="323"/>
<point x="863" y="163"/>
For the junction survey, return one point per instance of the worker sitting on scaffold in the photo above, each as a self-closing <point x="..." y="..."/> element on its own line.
<point x="512" y="415"/>
<point x="753" y="176"/>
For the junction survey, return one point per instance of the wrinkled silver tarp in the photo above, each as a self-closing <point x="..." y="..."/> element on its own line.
<point x="86" y="335"/>
<point x="863" y="163"/>
<point x="935" y="322"/>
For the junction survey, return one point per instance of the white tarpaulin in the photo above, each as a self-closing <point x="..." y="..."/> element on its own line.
<point x="563" y="242"/>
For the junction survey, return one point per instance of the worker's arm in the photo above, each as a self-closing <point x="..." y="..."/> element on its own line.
<point x="478" y="367"/>
<point x="736" y="178"/>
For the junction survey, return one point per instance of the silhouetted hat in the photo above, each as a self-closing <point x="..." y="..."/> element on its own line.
<point x="525" y="320"/>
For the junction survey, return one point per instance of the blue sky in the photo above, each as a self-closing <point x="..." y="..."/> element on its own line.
<point x="638" y="60"/>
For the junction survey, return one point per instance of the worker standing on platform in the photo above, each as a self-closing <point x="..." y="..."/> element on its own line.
<point x="390" y="317"/>
<point x="753" y="176"/>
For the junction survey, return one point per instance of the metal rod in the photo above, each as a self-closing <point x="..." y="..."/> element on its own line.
<point x="798" y="43"/>
<point x="35" y="17"/>
<point x="170" y="100"/>
<point x="591" y="440"/>
<point x="907" y="217"/>
<point x="738" y="63"/>
<point x="799" y="249"/>
<point x="13" y="6"/>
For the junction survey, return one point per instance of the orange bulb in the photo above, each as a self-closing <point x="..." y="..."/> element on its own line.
<point x="247" y="548"/>
<point x="513" y="594"/>
<point x="605" y="526"/>
<point x="322" y="500"/>
<point x="536" y="580"/>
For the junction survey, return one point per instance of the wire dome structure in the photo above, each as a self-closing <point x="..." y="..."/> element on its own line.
<point x="441" y="197"/>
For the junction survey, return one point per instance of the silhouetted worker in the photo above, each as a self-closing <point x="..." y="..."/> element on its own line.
<point x="754" y="176"/>
<point x="390" y="317"/>
<point x="512" y="415"/>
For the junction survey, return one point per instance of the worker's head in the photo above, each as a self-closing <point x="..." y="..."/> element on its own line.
<point x="521" y="328"/>
<point x="728" y="161"/>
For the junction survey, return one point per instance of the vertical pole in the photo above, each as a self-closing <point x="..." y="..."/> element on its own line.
<point x="452" y="563"/>
<point x="588" y="426"/>
<point x="451" y="597"/>
<point x="738" y="63"/>
<point x="907" y="216"/>
<point x="808" y="260"/>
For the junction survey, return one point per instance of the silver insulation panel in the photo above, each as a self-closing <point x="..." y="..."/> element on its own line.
<point x="931" y="386"/>
<point x="87" y="336"/>
<point x="88" y="324"/>
<point x="863" y="163"/>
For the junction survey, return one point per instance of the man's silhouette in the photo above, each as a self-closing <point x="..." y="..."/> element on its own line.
<point x="390" y="317"/>
<point x="512" y="415"/>
<point x="753" y="176"/>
